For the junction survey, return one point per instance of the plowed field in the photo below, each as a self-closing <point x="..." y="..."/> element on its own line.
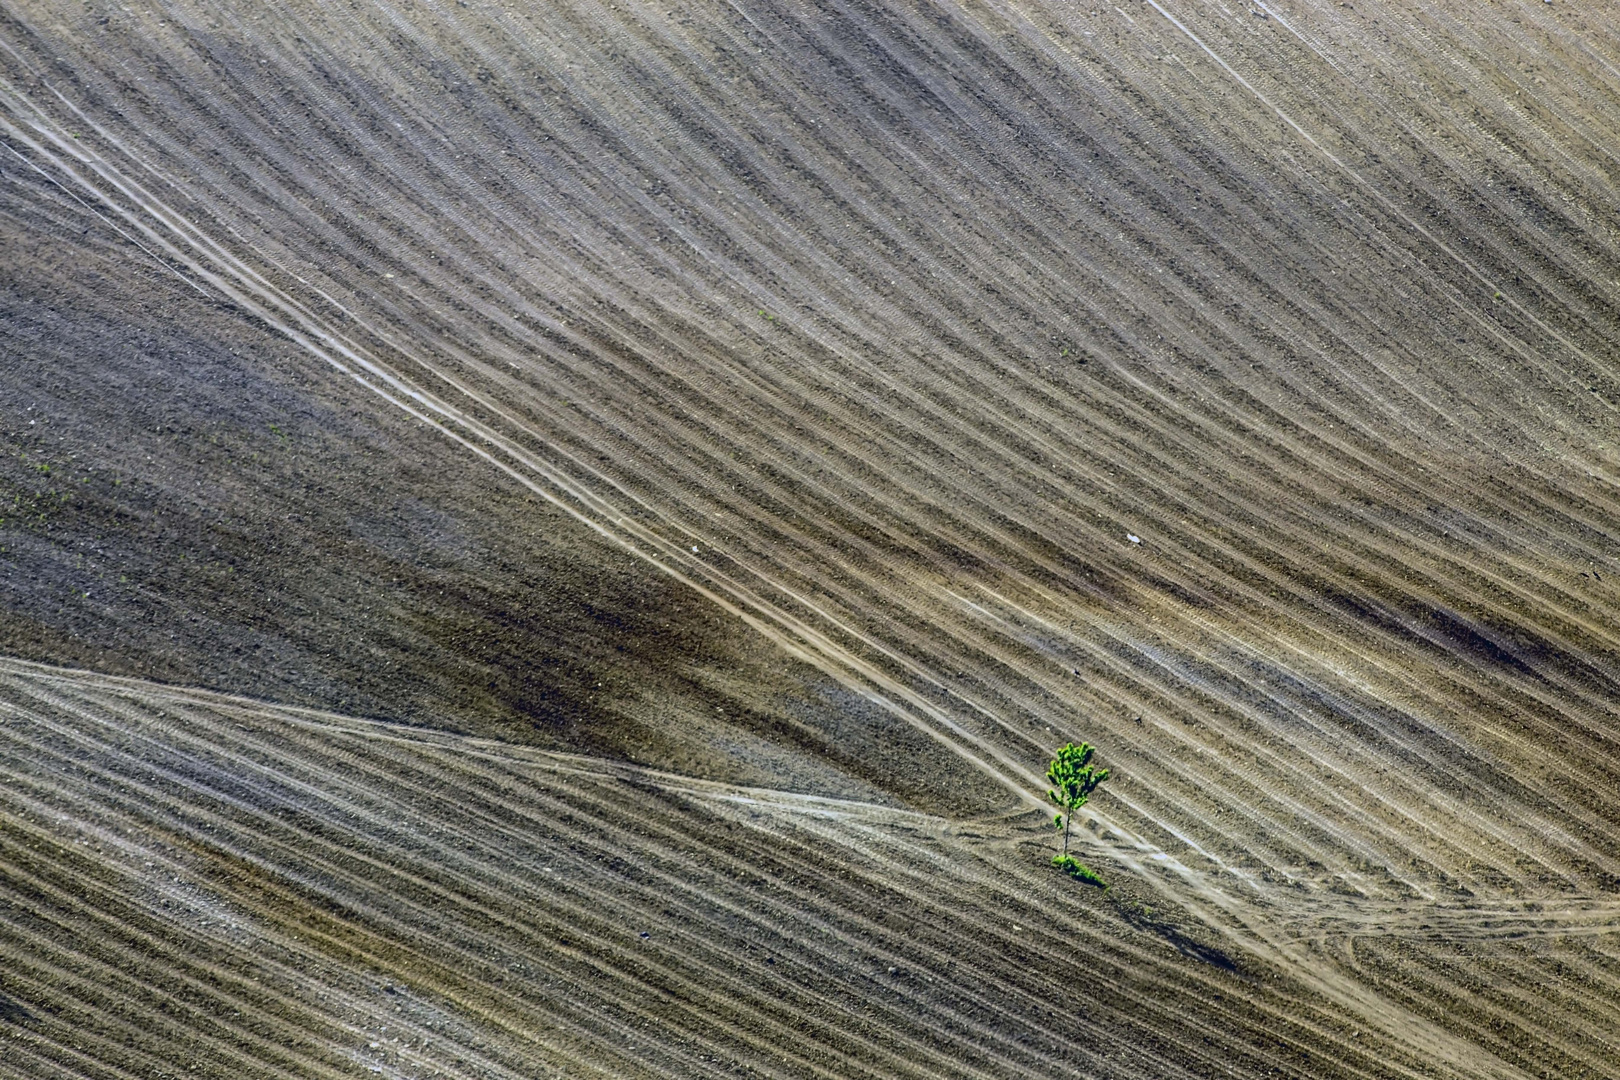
<point x="526" y="477"/>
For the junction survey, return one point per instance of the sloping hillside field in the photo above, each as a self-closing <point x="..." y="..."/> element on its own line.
<point x="558" y="539"/>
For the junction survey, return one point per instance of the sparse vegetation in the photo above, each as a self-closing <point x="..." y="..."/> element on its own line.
<point x="1078" y="870"/>
<point x="38" y="491"/>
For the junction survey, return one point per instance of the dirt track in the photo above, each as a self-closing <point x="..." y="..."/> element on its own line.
<point x="294" y="893"/>
<point x="1231" y="387"/>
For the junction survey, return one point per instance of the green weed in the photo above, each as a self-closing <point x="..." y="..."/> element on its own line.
<point x="1078" y="870"/>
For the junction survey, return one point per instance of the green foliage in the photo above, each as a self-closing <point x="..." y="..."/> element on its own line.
<point x="1073" y="778"/>
<point x="1078" y="870"/>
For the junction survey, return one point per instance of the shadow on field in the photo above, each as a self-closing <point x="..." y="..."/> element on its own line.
<point x="13" y="1011"/>
<point x="1141" y="917"/>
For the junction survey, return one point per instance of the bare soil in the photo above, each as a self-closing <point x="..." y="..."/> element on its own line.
<point x="623" y="426"/>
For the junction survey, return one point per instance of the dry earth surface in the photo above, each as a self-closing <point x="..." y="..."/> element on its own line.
<point x="558" y="538"/>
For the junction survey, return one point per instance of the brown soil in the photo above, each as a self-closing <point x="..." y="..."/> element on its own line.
<point x="851" y="401"/>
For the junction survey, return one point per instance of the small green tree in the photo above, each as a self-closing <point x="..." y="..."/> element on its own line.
<point x="1073" y="779"/>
